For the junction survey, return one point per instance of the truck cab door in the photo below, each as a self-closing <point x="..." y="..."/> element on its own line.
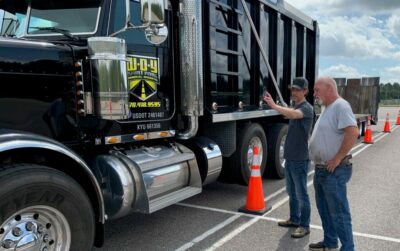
<point x="149" y="69"/>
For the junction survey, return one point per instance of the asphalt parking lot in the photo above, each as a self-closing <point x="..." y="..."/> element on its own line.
<point x="210" y="220"/>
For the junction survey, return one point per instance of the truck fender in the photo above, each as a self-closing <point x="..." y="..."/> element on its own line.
<point x="17" y="140"/>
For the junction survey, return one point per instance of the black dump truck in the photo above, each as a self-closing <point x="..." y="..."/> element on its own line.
<point x="114" y="107"/>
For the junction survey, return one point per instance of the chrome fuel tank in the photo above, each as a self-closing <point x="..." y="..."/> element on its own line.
<point x="147" y="179"/>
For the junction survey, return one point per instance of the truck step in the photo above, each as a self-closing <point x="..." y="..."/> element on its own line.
<point x="173" y="198"/>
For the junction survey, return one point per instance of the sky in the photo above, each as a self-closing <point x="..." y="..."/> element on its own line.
<point x="358" y="38"/>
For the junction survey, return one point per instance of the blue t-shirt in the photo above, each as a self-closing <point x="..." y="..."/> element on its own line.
<point x="296" y="144"/>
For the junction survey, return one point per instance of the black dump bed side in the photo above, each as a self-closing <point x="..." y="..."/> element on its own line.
<point x="234" y="68"/>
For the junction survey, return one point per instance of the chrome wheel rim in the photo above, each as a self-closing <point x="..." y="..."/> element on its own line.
<point x="255" y="141"/>
<point x="36" y="228"/>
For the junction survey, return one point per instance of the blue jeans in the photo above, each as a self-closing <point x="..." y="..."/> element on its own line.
<point x="296" y="187"/>
<point x="333" y="207"/>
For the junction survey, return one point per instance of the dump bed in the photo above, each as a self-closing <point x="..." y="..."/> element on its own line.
<point x="236" y="74"/>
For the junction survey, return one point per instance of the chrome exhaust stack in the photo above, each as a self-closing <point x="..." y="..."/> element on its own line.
<point x="191" y="59"/>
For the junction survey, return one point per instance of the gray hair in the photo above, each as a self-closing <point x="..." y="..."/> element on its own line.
<point x="328" y="81"/>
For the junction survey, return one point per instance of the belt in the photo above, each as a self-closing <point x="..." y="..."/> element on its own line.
<point x="344" y="161"/>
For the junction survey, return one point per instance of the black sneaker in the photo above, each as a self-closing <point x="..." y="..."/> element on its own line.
<point x="320" y="246"/>
<point x="287" y="223"/>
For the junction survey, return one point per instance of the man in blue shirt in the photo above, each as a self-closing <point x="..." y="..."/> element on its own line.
<point x="296" y="156"/>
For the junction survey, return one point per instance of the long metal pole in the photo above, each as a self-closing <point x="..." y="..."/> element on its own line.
<point x="264" y="55"/>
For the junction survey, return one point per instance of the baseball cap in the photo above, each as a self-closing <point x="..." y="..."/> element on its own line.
<point x="299" y="83"/>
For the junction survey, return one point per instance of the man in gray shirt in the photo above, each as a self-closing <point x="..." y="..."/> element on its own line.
<point x="296" y="155"/>
<point x="334" y="135"/>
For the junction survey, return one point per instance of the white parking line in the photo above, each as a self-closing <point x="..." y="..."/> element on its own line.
<point x="377" y="138"/>
<point x="357" y="146"/>
<point x="390" y="120"/>
<point x="369" y="236"/>
<point x="231" y="235"/>
<point x="283" y="189"/>
<point x="272" y="195"/>
<point x="208" y="233"/>
<point x="283" y="201"/>
<point x="376" y="237"/>
<point x="256" y="218"/>
<point x="246" y="225"/>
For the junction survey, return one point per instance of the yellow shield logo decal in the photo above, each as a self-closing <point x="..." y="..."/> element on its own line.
<point x="143" y="76"/>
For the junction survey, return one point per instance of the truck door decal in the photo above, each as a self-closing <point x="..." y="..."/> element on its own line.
<point x="143" y="79"/>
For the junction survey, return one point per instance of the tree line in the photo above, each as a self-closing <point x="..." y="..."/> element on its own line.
<point x="389" y="91"/>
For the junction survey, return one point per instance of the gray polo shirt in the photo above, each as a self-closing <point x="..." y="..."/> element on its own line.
<point x="328" y="133"/>
<point x="296" y="144"/>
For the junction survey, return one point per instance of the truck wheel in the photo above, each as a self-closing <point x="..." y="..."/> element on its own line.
<point x="276" y="141"/>
<point x="43" y="209"/>
<point x="251" y="135"/>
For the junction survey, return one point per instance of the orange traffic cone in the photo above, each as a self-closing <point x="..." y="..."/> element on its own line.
<point x="368" y="133"/>
<point x="387" y="124"/>
<point x="398" y="119"/>
<point x="255" y="196"/>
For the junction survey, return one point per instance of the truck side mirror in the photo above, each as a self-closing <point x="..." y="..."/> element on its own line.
<point x="152" y="11"/>
<point x="152" y="15"/>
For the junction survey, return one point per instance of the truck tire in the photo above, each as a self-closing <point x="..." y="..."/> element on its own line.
<point x="250" y="135"/>
<point x="276" y="140"/>
<point x="43" y="207"/>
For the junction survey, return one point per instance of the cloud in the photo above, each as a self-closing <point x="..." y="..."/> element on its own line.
<point x="314" y="7"/>
<point x="381" y="6"/>
<point x="351" y="37"/>
<point x="396" y="56"/>
<point x="391" y="74"/>
<point x="393" y="24"/>
<point x="344" y="34"/>
<point x="357" y="36"/>
<point x="333" y="7"/>
<point x="393" y="70"/>
<point x="341" y="71"/>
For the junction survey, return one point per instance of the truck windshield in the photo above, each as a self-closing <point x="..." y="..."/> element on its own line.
<point x="11" y="24"/>
<point x="46" y="17"/>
